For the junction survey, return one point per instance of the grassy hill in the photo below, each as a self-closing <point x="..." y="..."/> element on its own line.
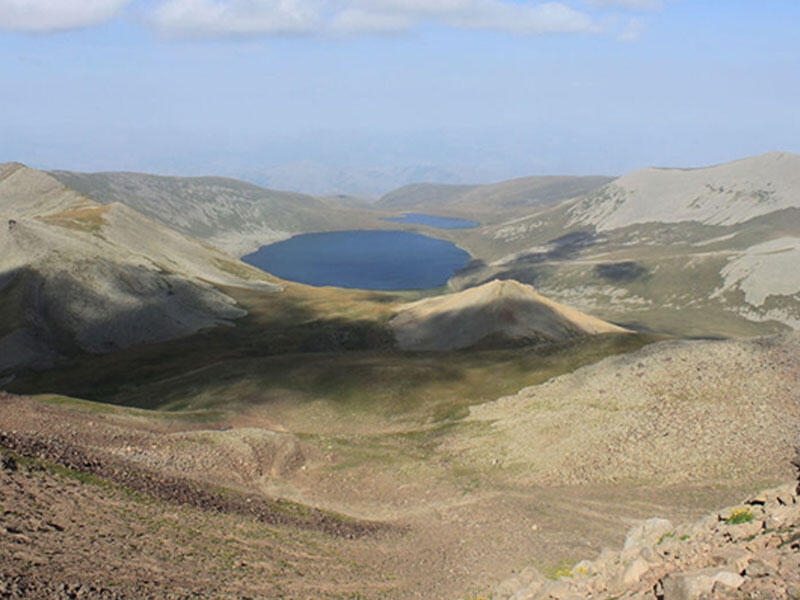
<point x="489" y="202"/>
<point x="80" y="276"/>
<point x="235" y="216"/>
<point x="701" y="252"/>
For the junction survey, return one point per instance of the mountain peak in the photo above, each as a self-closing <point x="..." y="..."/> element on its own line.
<point x="498" y="310"/>
<point x="726" y="194"/>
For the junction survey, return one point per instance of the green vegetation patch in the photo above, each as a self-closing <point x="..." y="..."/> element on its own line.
<point x="740" y="516"/>
<point x="424" y="387"/>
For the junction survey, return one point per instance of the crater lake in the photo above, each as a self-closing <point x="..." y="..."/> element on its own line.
<point x="370" y="260"/>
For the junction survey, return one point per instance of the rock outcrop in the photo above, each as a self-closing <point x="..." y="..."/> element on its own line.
<point x="751" y="550"/>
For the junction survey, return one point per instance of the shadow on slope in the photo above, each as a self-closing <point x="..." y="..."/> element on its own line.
<point x="373" y="384"/>
<point x="101" y="307"/>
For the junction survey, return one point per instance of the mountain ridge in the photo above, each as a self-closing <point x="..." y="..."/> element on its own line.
<point x="686" y="251"/>
<point x="76" y="275"/>
<point x="235" y="216"/>
<point x="725" y="194"/>
<point x="512" y="195"/>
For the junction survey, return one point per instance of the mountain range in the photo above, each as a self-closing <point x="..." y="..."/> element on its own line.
<point x="690" y="251"/>
<point x="175" y="421"/>
<point x="699" y="252"/>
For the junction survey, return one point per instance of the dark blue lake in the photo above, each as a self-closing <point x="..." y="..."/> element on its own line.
<point x="434" y="221"/>
<point x="369" y="260"/>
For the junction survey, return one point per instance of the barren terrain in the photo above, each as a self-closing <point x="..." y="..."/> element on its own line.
<point x="432" y="510"/>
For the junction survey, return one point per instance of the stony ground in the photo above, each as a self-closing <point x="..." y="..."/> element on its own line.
<point x="105" y="500"/>
<point x="75" y="524"/>
<point x="673" y="412"/>
<point x="751" y="550"/>
<point x="116" y="503"/>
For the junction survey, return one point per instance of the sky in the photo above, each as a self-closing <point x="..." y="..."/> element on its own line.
<point x="360" y="96"/>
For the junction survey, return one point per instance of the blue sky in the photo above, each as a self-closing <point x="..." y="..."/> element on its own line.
<point x="361" y="95"/>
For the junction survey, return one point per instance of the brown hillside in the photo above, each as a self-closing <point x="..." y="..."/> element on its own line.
<point x="498" y="310"/>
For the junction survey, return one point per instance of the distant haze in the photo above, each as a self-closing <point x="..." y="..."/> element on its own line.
<point x="359" y="97"/>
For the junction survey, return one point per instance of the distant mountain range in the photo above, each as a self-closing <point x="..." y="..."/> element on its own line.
<point x="369" y="183"/>
<point x="709" y="251"/>
<point x="94" y="262"/>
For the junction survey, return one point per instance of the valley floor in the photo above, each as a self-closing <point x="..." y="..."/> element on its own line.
<point x="282" y="501"/>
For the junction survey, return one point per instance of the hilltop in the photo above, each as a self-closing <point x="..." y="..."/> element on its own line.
<point x="235" y="216"/>
<point x="76" y="275"/>
<point x="704" y="251"/>
<point x="497" y="312"/>
<point x="727" y="194"/>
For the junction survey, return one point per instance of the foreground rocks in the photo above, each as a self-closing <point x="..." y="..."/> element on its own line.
<point x="751" y="550"/>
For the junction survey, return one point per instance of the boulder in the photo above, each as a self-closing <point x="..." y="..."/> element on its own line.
<point x="728" y="579"/>
<point x="507" y="588"/>
<point x="734" y="558"/>
<point x="691" y="585"/>
<point x="634" y="572"/>
<point x="644" y="535"/>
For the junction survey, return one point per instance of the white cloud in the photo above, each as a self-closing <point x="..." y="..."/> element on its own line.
<point x="629" y="4"/>
<point x="237" y="17"/>
<point x="56" y="15"/>
<point x="221" y="18"/>
<point x="499" y="15"/>
<point x="344" y="17"/>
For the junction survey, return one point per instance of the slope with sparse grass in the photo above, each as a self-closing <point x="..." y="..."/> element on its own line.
<point x="79" y="276"/>
<point x="474" y="489"/>
<point x="499" y="312"/>
<point x="493" y="202"/>
<point x="702" y="252"/>
<point x="235" y="216"/>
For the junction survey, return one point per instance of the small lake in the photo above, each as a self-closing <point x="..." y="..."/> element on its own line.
<point x="434" y="221"/>
<point x="369" y="260"/>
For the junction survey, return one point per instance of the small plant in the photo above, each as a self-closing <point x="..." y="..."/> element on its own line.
<point x="564" y="572"/>
<point x="666" y="536"/>
<point x="684" y="537"/>
<point x="739" y="516"/>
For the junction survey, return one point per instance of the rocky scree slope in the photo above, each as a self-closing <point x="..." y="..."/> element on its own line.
<point x="672" y="413"/>
<point x="81" y="519"/>
<point x="749" y="550"/>
<point x="76" y="275"/>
